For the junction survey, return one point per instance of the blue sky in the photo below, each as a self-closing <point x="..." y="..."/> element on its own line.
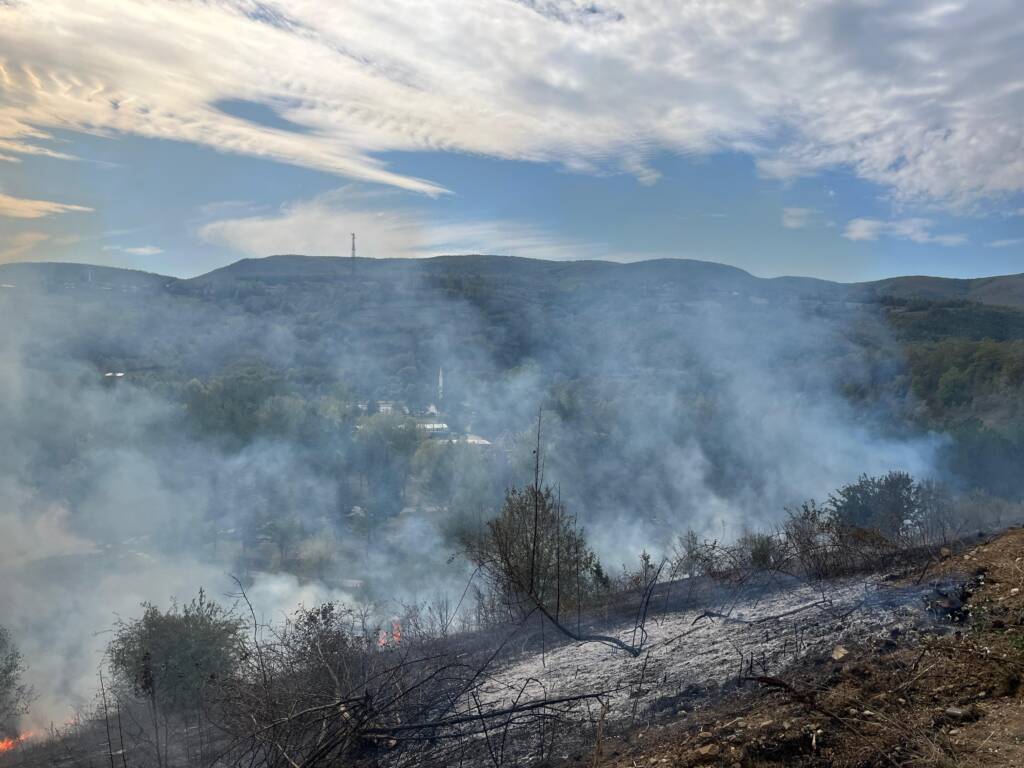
<point x="866" y="143"/>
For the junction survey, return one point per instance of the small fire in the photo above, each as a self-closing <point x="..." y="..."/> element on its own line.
<point x="386" y="639"/>
<point x="6" y="745"/>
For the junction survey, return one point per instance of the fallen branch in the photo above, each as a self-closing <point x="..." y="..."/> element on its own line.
<point x="481" y="716"/>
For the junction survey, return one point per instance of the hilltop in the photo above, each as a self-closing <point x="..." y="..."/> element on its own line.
<point x="687" y="275"/>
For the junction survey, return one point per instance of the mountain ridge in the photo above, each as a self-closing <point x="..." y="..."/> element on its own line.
<point x="999" y="290"/>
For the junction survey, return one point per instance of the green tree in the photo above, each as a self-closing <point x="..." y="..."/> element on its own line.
<point x="533" y="555"/>
<point x="890" y="504"/>
<point x="385" y="444"/>
<point x="14" y="696"/>
<point x="954" y="388"/>
<point x="172" y="657"/>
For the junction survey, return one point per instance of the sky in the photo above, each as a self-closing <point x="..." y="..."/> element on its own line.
<point x="843" y="139"/>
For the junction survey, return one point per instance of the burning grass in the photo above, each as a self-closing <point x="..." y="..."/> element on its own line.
<point x="13" y="742"/>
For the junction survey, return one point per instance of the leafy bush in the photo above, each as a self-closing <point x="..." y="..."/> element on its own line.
<point x="889" y="505"/>
<point x="532" y="554"/>
<point x="172" y="657"/>
<point x="14" y="696"/>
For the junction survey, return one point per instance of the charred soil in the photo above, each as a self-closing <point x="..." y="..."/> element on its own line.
<point x="944" y="695"/>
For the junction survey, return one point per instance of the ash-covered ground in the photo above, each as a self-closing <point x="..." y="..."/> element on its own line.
<point x="688" y="655"/>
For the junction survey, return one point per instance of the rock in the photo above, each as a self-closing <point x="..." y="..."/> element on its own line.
<point x="1015" y="591"/>
<point x="839" y="653"/>
<point x="708" y="752"/>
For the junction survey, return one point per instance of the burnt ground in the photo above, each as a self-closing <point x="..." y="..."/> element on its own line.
<point x="946" y="694"/>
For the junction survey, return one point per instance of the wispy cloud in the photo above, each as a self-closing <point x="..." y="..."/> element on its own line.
<point x="21" y="246"/>
<point x="135" y="250"/>
<point x="915" y="230"/>
<point x="799" y="86"/>
<point x="1006" y="243"/>
<point x="386" y="227"/>
<point x="798" y="218"/>
<point x="24" y="208"/>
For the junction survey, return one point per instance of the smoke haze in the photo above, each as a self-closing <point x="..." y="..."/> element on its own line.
<point x="709" y="404"/>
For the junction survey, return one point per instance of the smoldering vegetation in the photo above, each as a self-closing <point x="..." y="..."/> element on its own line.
<point x="561" y="656"/>
<point x="325" y="446"/>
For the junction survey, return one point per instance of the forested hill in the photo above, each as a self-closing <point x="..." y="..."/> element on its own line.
<point x="940" y="354"/>
<point x="685" y="275"/>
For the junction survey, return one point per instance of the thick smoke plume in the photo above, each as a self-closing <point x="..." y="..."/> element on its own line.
<point x="714" y="413"/>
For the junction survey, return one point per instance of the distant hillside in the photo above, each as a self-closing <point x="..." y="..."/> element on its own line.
<point x="598" y="340"/>
<point x="687" y="275"/>
<point x="1007" y="290"/>
<point x="48" y="274"/>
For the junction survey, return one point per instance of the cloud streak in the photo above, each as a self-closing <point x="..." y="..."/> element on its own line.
<point x="915" y="230"/>
<point x="323" y="225"/>
<point x="20" y="247"/>
<point x="135" y="250"/>
<point x="24" y="208"/>
<point x="1006" y="243"/>
<point x="922" y="99"/>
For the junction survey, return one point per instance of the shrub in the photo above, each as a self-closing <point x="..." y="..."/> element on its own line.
<point x="14" y="696"/>
<point x="171" y="657"/>
<point x="889" y="505"/>
<point x="532" y="554"/>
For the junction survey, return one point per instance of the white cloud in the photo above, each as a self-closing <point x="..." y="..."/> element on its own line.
<point x="915" y="230"/>
<point x="384" y="228"/>
<point x="136" y="250"/>
<point x="24" y="208"/>
<point x="797" y="218"/>
<point x="922" y="97"/>
<point x="1006" y="243"/>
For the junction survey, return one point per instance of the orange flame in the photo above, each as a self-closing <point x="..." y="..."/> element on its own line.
<point x="6" y="745"/>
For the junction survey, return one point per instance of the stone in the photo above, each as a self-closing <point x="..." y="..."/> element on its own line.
<point x="708" y="751"/>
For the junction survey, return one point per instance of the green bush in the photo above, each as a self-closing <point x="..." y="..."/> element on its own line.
<point x="14" y="696"/>
<point x="171" y="658"/>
